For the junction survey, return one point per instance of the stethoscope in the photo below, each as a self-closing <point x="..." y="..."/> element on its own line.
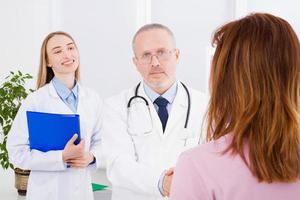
<point x="147" y="104"/>
<point x="136" y="96"/>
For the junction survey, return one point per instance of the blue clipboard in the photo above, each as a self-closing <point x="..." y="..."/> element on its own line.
<point x="48" y="131"/>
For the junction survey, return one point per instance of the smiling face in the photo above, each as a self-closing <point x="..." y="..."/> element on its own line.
<point x="62" y="55"/>
<point x="158" y="47"/>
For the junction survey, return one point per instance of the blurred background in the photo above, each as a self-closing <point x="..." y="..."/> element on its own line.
<point x="103" y="30"/>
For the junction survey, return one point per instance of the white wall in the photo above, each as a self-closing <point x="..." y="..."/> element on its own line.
<point x="287" y="9"/>
<point x="104" y="29"/>
<point x="193" y="24"/>
<point x="23" y="26"/>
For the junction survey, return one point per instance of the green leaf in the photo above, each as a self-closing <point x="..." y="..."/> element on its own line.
<point x="11" y="166"/>
<point x="12" y="92"/>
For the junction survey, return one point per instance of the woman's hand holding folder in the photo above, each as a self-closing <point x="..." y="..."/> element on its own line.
<point x="81" y="162"/>
<point x="71" y="150"/>
<point x="75" y="156"/>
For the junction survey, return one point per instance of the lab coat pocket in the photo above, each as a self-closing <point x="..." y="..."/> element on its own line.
<point x="139" y="119"/>
<point x="143" y="146"/>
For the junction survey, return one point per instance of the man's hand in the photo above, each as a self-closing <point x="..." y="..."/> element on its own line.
<point x="168" y="181"/>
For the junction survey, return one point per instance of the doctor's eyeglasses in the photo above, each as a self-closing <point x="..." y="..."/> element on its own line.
<point x="161" y="55"/>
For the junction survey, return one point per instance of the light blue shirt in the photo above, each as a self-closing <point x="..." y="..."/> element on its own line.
<point x="69" y="97"/>
<point x="170" y="95"/>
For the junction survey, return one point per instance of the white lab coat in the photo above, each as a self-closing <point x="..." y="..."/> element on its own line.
<point x="135" y="177"/>
<point x="49" y="178"/>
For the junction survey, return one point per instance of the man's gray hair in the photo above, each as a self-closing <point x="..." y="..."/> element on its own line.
<point x="152" y="26"/>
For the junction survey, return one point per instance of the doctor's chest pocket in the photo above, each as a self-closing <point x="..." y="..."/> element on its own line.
<point x="139" y="120"/>
<point x="143" y="143"/>
<point x="142" y="138"/>
<point x="140" y="129"/>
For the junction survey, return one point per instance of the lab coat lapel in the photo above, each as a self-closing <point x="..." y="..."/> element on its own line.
<point x="178" y="111"/>
<point x="60" y="105"/>
<point x="81" y="95"/>
<point x="81" y="111"/>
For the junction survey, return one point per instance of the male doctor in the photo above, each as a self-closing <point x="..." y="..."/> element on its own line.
<point x="147" y="127"/>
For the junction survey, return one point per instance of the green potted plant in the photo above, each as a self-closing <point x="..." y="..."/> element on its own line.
<point x="12" y="92"/>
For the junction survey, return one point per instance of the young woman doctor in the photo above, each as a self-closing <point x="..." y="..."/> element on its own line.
<point x="63" y="174"/>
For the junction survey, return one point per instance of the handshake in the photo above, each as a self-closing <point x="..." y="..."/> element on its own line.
<point x="168" y="181"/>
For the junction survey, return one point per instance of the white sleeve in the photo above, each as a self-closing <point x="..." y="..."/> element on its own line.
<point x="122" y="168"/>
<point x="20" y="154"/>
<point x="96" y="140"/>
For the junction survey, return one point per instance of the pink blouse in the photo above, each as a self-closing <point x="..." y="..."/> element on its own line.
<point x="203" y="173"/>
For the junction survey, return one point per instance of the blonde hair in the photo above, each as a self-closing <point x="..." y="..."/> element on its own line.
<point x="255" y="94"/>
<point x="46" y="73"/>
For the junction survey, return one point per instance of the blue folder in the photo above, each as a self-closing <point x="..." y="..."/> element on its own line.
<point x="48" y="131"/>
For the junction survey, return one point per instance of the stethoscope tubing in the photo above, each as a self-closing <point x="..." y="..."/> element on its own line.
<point x="145" y="100"/>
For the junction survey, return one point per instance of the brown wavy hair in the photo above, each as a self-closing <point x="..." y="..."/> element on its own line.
<point x="45" y="73"/>
<point x="255" y="94"/>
